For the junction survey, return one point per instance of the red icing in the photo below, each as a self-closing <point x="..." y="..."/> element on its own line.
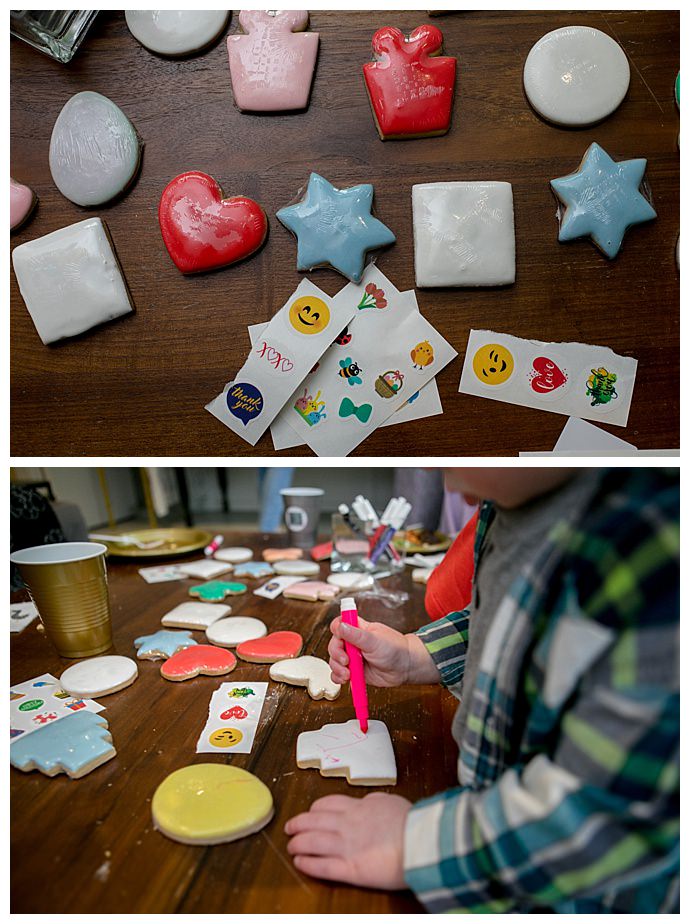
<point x="411" y="92"/>
<point x="272" y="647"/>
<point x="548" y="376"/>
<point x="204" y="231"/>
<point x="199" y="659"/>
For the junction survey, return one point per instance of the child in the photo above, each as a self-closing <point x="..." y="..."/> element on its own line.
<point x="566" y="668"/>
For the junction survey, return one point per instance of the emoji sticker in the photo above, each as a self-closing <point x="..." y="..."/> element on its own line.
<point x="546" y="376"/>
<point x="241" y="692"/>
<point x="311" y="409"/>
<point x="350" y="371"/>
<point x="372" y="298"/>
<point x="493" y="364"/>
<point x="388" y="384"/>
<point x="225" y="737"/>
<point x="244" y="401"/>
<point x="601" y="388"/>
<point x="309" y="315"/>
<point x="349" y="409"/>
<point x="31" y="704"/>
<point x="422" y="355"/>
<point x="235" y="712"/>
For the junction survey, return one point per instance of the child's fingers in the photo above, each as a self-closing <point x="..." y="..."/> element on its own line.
<point x="313" y="821"/>
<point x="333" y="803"/>
<point x="337" y="623"/>
<point x="356" y="635"/>
<point x="324" y="867"/>
<point x="336" y="649"/>
<point x="339" y="674"/>
<point x="315" y="843"/>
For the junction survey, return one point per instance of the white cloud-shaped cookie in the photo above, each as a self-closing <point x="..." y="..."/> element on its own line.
<point x="307" y="671"/>
<point x="344" y="750"/>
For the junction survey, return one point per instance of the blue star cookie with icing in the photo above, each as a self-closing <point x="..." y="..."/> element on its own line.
<point x="602" y="200"/>
<point x="254" y="569"/>
<point x="335" y="226"/>
<point x="162" y="644"/>
<point x="75" y="745"/>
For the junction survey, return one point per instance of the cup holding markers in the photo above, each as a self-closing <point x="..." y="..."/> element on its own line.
<point x="302" y="511"/>
<point x="350" y="544"/>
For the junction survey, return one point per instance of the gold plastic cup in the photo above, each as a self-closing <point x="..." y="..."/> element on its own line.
<point x="68" y="583"/>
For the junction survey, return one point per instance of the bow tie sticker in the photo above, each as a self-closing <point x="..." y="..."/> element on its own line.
<point x="348" y="409"/>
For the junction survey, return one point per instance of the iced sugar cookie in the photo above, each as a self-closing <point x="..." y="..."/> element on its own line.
<point x="94" y="150"/>
<point x="22" y="203"/>
<point x="195" y="615"/>
<point x="162" y="644"/>
<point x="272" y="64"/>
<point x="410" y="88"/>
<point x="75" y="745"/>
<point x="174" y="33"/>
<point x="576" y="76"/>
<point x="201" y="659"/>
<point x="254" y="569"/>
<point x="205" y="568"/>
<point x="602" y="199"/>
<point x="351" y="580"/>
<point x="303" y="568"/>
<point x="234" y="630"/>
<point x="334" y="227"/>
<point x="204" y="231"/>
<point x="211" y="804"/>
<point x="70" y="280"/>
<point x="271" y="648"/>
<point x="291" y="554"/>
<point x="234" y="555"/>
<point x="307" y="671"/>
<point x="344" y="750"/>
<point x="217" y="591"/>
<point x="99" y="676"/>
<point x="311" y="590"/>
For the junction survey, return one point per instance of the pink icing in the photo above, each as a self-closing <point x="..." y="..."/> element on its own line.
<point x="271" y="67"/>
<point x="21" y="202"/>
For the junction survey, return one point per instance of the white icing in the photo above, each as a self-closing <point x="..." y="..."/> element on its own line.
<point x="344" y="750"/>
<point x="576" y="76"/>
<point x="205" y="568"/>
<point x="301" y="567"/>
<point x="175" y="32"/>
<point x="464" y="234"/>
<point x="421" y="575"/>
<point x="70" y="280"/>
<point x="234" y="556"/>
<point x="195" y="615"/>
<point x="235" y="629"/>
<point x="99" y="676"/>
<point x="306" y="671"/>
<point x="351" y="580"/>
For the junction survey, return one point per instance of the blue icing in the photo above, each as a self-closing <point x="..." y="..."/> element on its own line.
<point x="253" y="569"/>
<point x="163" y="643"/>
<point x="68" y="745"/>
<point x="335" y="226"/>
<point x="602" y="200"/>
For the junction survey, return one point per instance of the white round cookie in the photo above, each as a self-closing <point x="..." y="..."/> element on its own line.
<point x="300" y="567"/>
<point x="576" y="76"/>
<point x="351" y="580"/>
<point x="175" y="32"/>
<point x="235" y="629"/>
<point x="99" y="676"/>
<point x="234" y="556"/>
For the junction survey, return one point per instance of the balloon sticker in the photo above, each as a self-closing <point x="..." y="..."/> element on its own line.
<point x="546" y="376"/>
<point x="220" y="732"/>
<point x="244" y="401"/>
<point x="493" y="364"/>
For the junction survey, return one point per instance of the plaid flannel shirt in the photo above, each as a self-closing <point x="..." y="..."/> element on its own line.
<point x="569" y="764"/>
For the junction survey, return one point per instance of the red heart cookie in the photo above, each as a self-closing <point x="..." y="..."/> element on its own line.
<point x="271" y="648"/>
<point x="204" y="231"/>
<point x="199" y="659"/>
<point x="548" y="378"/>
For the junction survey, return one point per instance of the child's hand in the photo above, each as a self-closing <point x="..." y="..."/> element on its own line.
<point x="390" y="658"/>
<point x="359" y="841"/>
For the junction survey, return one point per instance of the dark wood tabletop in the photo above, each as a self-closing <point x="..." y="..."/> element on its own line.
<point x="89" y="845"/>
<point x="138" y="386"/>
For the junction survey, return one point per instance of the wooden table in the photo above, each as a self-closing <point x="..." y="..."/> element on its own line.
<point x="64" y="831"/>
<point x="138" y="386"/>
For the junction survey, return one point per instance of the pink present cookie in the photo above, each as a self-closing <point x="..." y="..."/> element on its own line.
<point x="311" y="590"/>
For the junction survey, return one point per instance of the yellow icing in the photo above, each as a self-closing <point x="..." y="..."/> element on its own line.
<point x="207" y="803"/>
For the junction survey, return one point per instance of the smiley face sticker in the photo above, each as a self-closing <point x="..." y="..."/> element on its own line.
<point x="309" y="315"/>
<point x="225" y="737"/>
<point x="493" y="364"/>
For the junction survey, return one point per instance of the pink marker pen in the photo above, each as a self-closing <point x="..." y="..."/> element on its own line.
<point x="358" y="688"/>
<point x="213" y="546"/>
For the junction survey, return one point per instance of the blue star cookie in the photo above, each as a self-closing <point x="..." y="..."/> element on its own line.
<point x="162" y="644"/>
<point x="602" y="200"/>
<point x="75" y="745"/>
<point x="335" y="226"/>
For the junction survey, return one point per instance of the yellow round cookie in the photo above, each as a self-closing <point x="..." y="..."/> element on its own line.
<point x="211" y="804"/>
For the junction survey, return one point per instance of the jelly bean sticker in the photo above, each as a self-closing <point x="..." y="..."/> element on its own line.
<point x="309" y="315"/>
<point x="244" y="401"/>
<point x="235" y="712"/>
<point x="225" y="737"/>
<point x="493" y="364"/>
<point x="31" y="704"/>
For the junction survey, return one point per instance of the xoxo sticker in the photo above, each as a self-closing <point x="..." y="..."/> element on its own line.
<point x="275" y="357"/>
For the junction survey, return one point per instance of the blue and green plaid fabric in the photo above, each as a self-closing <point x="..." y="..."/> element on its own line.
<point x="569" y="764"/>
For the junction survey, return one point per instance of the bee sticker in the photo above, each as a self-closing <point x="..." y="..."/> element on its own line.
<point x="350" y="371"/>
<point x="601" y="386"/>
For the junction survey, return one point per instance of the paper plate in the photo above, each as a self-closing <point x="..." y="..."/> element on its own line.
<point x="176" y="541"/>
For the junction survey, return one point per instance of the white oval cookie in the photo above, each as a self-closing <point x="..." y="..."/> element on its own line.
<point x="306" y="671"/>
<point x="175" y="32"/>
<point x="99" y="676"/>
<point x="234" y="630"/>
<point x="234" y="556"/>
<point x="301" y="567"/>
<point x="351" y="580"/>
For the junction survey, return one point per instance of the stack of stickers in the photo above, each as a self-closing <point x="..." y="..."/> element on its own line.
<point x="328" y="371"/>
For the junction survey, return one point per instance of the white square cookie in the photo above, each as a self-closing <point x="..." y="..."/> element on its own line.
<point x="70" y="280"/>
<point x="464" y="234"/>
<point x="195" y="615"/>
<point x="205" y="568"/>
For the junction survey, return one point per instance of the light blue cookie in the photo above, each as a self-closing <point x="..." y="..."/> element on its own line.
<point x="335" y="226"/>
<point x="602" y="200"/>
<point x="75" y="745"/>
<point x="162" y="644"/>
<point x="253" y="569"/>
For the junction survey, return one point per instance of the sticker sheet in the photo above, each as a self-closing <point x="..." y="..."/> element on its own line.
<point x="40" y="701"/>
<point x="289" y="347"/>
<point x="233" y="716"/>
<point x="21" y="614"/>
<point x="577" y="379"/>
<point x="273" y="589"/>
<point x="160" y="573"/>
<point x="375" y="367"/>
